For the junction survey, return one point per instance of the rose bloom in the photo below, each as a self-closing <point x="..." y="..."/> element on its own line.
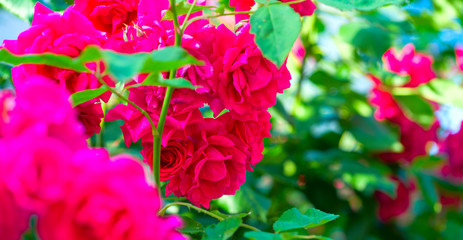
<point x="108" y="16"/>
<point x="66" y="34"/>
<point x="14" y="220"/>
<point x="6" y="105"/>
<point x="459" y="57"/>
<point x="173" y="156"/>
<point x="107" y="200"/>
<point x="388" y="207"/>
<point x="409" y="63"/>
<point x="252" y="133"/>
<point x="245" y="82"/>
<point x="414" y="138"/>
<point x="43" y="107"/>
<point x="217" y="167"/>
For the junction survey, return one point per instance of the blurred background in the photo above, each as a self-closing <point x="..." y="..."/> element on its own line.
<point x="328" y="149"/>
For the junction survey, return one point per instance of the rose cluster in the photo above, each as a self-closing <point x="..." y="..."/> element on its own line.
<point x="203" y="158"/>
<point x="416" y="140"/>
<point x="75" y="192"/>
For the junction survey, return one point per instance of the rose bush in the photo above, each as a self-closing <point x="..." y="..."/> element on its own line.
<point x="246" y="112"/>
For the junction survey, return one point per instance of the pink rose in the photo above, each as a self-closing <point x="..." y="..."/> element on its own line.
<point x="43" y="107"/>
<point x="218" y="165"/>
<point x="459" y="57"/>
<point x="252" y="133"/>
<point x="389" y="208"/>
<point x="107" y="200"/>
<point x="6" y="105"/>
<point x="245" y="81"/>
<point x="414" y="138"/>
<point x="39" y="170"/>
<point x="386" y="106"/>
<point x="108" y="16"/>
<point x="174" y="154"/>
<point x="452" y="147"/>
<point x="66" y="34"/>
<point x="305" y="8"/>
<point x="14" y="220"/>
<point x="408" y="63"/>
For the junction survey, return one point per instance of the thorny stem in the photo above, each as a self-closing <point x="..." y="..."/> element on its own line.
<point x="189" y="205"/>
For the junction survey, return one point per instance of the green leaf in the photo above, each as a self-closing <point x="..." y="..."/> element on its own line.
<point x="247" y="199"/>
<point x="223" y="230"/>
<point x="86" y="95"/>
<point x="258" y="235"/>
<point x="429" y="191"/>
<point x="326" y="80"/>
<point x="167" y="59"/>
<point x="21" y="8"/>
<point x="367" y="38"/>
<point x="123" y="66"/>
<point x="50" y="59"/>
<point x="191" y="226"/>
<point x="364" y="5"/>
<point x="373" y="134"/>
<point x="276" y="28"/>
<point x="442" y="91"/>
<point x="293" y="219"/>
<point x="182" y="8"/>
<point x="418" y="109"/>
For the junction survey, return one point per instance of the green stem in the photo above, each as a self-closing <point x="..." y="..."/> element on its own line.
<point x="189" y="205"/>
<point x="100" y="136"/>
<point x="157" y="138"/>
<point x="184" y="25"/>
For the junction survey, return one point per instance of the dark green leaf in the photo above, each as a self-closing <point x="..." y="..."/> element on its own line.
<point x="443" y="91"/>
<point x="86" y="95"/>
<point x="373" y="134"/>
<point x="248" y="199"/>
<point x="418" y="109"/>
<point x="364" y="5"/>
<point x="367" y="38"/>
<point x="428" y="189"/>
<point x="191" y="226"/>
<point x="276" y="28"/>
<point x="223" y="230"/>
<point x="325" y="80"/>
<point x="293" y="219"/>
